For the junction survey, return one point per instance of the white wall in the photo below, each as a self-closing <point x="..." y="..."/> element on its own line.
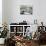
<point x="12" y="11"/>
<point x="0" y="13"/>
<point x="4" y="11"/>
<point x="16" y="10"/>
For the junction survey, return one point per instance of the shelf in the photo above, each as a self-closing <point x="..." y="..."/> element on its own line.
<point x="16" y="32"/>
<point x="12" y="32"/>
<point x="19" y="32"/>
<point x="19" y="27"/>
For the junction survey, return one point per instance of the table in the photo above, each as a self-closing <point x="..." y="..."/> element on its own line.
<point x="23" y="43"/>
<point x="26" y="42"/>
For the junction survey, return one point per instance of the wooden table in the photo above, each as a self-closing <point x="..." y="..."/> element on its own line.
<point x="26" y="42"/>
<point x="23" y="42"/>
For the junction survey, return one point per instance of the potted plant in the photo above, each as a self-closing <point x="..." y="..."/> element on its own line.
<point x="3" y="34"/>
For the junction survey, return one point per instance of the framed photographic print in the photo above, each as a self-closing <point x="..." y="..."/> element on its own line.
<point x="26" y="10"/>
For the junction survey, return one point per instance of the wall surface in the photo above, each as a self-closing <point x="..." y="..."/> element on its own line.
<point x="15" y="11"/>
<point x="0" y="13"/>
<point x="4" y="11"/>
<point x="12" y="11"/>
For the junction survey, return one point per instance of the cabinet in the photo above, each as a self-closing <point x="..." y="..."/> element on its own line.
<point x="18" y="29"/>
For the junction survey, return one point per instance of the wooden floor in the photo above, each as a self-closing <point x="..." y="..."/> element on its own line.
<point x="32" y="45"/>
<point x="42" y="45"/>
<point x="1" y="45"/>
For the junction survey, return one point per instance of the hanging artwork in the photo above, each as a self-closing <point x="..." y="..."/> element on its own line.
<point x="26" y="10"/>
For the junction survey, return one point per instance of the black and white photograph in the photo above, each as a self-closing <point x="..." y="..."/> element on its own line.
<point x="26" y="10"/>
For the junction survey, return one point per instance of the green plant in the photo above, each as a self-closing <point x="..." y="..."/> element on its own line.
<point x="4" y="32"/>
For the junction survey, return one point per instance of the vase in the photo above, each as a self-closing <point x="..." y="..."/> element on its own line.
<point x="2" y="40"/>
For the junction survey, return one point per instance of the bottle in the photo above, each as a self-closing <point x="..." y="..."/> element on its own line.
<point x="35" y="21"/>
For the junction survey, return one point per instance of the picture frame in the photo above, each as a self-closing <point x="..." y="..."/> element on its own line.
<point x="26" y="10"/>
